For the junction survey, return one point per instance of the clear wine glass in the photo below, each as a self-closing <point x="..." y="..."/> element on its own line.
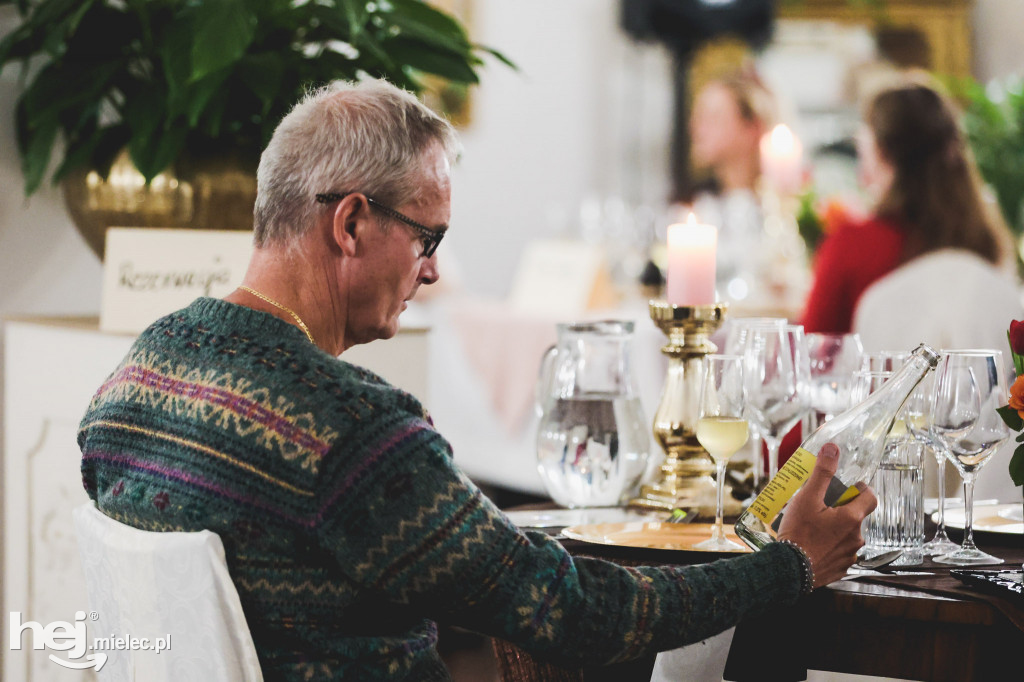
<point x="917" y="416"/>
<point x="865" y="382"/>
<point x="833" y="360"/>
<point x="735" y="344"/>
<point x="736" y="337"/>
<point x="722" y="429"/>
<point x="969" y="388"/>
<point x="776" y="372"/>
<point x="884" y="361"/>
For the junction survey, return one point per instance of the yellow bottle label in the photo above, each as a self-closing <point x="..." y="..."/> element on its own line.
<point x="777" y="492"/>
<point x="791" y="476"/>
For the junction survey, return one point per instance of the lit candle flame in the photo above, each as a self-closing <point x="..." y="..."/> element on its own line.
<point x="782" y="138"/>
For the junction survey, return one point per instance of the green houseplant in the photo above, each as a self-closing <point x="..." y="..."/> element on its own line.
<point x="994" y="125"/>
<point x="161" y="80"/>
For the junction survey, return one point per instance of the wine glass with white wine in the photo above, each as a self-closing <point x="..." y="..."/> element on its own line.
<point x="722" y="430"/>
<point x="969" y="388"/>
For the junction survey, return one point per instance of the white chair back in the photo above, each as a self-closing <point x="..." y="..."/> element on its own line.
<point x="701" y="662"/>
<point x="169" y="588"/>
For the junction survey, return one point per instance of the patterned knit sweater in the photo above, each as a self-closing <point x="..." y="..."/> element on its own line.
<point x="348" y="529"/>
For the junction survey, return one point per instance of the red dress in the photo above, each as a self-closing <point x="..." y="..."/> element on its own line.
<point x="852" y="257"/>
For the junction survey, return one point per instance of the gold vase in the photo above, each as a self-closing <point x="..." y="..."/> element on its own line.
<point x="201" y="192"/>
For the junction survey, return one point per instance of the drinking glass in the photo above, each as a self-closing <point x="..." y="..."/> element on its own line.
<point x="969" y="387"/>
<point x="775" y="374"/>
<point x="735" y="344"/>
<point x="722" y="429"/>
<point x="898" y="520"/>
<point x="736" y="337"/>
<point x="917" y="416"/>
<point x="884" y="361"/>
<point x="865" y="382"/>
<point x="833" y="360"/>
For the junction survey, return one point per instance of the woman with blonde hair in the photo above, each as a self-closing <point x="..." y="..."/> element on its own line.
<point x="730" y="114"/>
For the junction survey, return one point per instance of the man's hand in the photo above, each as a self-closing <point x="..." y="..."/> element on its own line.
<point x="830" y="536"/>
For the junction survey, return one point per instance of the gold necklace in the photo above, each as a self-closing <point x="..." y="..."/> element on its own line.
<point x="298" y="320"/>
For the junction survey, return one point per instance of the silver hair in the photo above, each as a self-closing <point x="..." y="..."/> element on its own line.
<point x="368" y="136"/>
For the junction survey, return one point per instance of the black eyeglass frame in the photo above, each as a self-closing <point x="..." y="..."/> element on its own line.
<point x="430" y="237"/>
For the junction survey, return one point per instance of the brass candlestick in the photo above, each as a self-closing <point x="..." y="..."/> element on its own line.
<point x="686" y="476"/>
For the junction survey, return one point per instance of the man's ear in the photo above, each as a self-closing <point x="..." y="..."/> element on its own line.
<point x="348" y="222"/>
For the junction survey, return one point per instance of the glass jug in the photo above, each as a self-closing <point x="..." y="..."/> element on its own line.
<point x="593" y="440"/>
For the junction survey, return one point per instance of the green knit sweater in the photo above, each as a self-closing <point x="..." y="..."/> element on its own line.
<point x="349" y="531"/>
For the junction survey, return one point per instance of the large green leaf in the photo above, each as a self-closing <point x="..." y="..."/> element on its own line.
<point x="145" y="114"/>
<point x="44" y="30"/>
<point x="439" y="62"/>
<point x="357" y="17"/>
<point x="325" y="22"/>
<point x="199" y="94"/>
<point x="155" y="154"/>
<point x="1011" y="417"/>
<point x="68" y="85"/>
<point x="418" y="20"/>
<point x="35" y="136"/>
<point x="1017" y="466"/>
<point x="175" y="50"/>
<point x="97" y="151"/>
<point x="223" y="32"/>
<point x="212" y="120"/>
<point x="498" y="55"/>
<point x="67" y="26"/>
<point x="263" y="74"/>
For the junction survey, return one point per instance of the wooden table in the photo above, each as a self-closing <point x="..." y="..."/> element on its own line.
<point x="867" y="629"/>
<point x="858" y="627"/>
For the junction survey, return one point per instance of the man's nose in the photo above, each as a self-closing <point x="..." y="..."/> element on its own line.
<point x="429" y="272"/>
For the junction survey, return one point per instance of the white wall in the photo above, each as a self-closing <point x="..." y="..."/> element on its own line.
<point x="45" y="267"/>
<point x="586" y="110"/>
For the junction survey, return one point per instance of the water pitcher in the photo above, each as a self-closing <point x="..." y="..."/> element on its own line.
<point x="592" y="442"/>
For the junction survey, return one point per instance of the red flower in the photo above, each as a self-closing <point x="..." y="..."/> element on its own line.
<point x="161" y="500"/>
<point x="1017" y="337"/>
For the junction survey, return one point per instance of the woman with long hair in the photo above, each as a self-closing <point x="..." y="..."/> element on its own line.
<point x="928" y="197"/>
<point x="954" y="284"/>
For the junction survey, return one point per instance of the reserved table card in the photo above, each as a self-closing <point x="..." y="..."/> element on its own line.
<point x="148" y="272"/>
<point x="562" y="277"/>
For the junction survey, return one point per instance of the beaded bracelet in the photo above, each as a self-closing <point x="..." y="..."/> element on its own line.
<point x="805" y="562"/>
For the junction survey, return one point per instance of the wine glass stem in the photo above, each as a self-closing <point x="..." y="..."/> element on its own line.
<point x="942" y="494"/>
<point x="969" y="512"/>
<point x="755" y="461"/>
<point x="773" y="456"/>
<point x="719" y="498"/>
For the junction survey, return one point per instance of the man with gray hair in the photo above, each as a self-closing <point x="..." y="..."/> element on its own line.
<point x="348" y="529"/>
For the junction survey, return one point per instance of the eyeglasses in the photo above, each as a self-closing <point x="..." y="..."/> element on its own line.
<point x="431" y="238"/>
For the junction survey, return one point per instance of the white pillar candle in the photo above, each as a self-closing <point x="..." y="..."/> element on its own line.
<point x="690" y="278"/>
<point x="782" y="160"/>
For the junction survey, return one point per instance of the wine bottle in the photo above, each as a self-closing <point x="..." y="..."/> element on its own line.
<point x="860" y="434"/>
